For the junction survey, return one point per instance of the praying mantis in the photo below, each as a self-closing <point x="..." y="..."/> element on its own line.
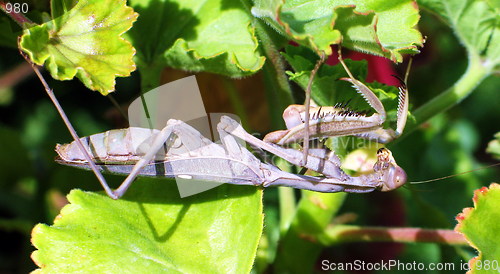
<point x="180" y="151"/>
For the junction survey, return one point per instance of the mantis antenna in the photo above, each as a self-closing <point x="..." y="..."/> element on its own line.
<point x="454" y="175"/>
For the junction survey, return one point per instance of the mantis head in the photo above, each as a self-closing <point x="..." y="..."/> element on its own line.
<point x="391" y="175"/>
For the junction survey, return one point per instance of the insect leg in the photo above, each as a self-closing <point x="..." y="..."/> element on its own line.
<point x="362" y="89"/>
<point x="157" y="144"/>
<point x="319" y="160"/>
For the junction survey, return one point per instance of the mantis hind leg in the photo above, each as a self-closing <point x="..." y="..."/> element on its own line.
<point x="157" y="144"/>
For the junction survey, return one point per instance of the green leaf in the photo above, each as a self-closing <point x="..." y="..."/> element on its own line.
<point x="211" y="35"/>
<point x="327" y="90"/>
<point x="475" y="22"/>
<point x="494" y="146"/>
<point x="379" y="27"/>
<point x="480" y="227"/>
<point x="85" y="42"/>
<point x="152" y="230"/>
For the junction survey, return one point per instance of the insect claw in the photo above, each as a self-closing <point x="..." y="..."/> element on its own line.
<point x="402" y="113"/>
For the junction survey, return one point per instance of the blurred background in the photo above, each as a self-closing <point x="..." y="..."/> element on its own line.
<point x="33" y="186"/>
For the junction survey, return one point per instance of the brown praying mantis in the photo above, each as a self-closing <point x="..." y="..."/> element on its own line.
<point x="180" y="151"/>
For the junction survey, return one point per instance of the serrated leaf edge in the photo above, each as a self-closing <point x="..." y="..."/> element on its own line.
<point x="394" y="54"/>
<point x="478" y="194"/>
<point x="35" y="257"/>
<point x="48" y="59"/>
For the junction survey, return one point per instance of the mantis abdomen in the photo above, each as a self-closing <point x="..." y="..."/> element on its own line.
<point x="119" y="146"/>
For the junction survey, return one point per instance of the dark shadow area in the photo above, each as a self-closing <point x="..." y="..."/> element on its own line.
<point x="171" y="229"/>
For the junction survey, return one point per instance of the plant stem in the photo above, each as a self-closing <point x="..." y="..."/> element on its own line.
<point x="279" y="96"/>
<point x="118" y="107"/>
<point x="476" y="71"/>
<point x="15" y="75"/>
<point x="19" y="18"/>
<point x="287" y="207"/>
<point x="314" y="213"/>
<point x="278" y="91"/>
<point x="349" y="233"/>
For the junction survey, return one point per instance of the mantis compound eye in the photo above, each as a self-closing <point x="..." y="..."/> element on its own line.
<point x="396" y="178"/>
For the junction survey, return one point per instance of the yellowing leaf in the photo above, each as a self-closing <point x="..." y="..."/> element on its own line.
<point x="86" y="42"/>
<point x="480" y="226"/>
